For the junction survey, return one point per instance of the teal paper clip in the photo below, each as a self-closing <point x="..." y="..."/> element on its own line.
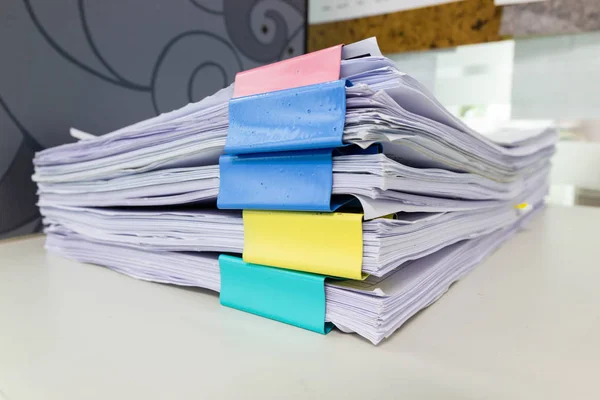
<point x="296" y="298"/>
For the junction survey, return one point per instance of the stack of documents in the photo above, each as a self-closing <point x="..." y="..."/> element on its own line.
<point x="373" y="308"/>
<point x="430" y="160"/>
<point x="435" y="196"/>
<point x="387" y="243"/>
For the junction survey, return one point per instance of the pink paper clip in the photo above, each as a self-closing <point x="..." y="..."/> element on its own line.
<point x="308" y="69"/>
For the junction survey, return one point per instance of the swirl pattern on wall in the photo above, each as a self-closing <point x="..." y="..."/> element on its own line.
<point x="261" y="29"/>
<point x="73" y="63"/>
<point x="182" y="72"/>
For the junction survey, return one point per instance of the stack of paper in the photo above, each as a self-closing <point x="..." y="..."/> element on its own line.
<point x="430" y="162"/>
<point x="373" y="308"/>
<point x="387" y="243"/>
<point x="437" y="196"/>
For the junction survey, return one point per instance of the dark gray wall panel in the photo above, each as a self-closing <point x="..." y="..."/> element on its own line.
<point x="99" y="65"/>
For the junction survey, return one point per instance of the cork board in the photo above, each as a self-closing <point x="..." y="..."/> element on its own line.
<point x="445" y="25"/>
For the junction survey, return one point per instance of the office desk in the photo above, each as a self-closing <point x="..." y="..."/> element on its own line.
<point x="524" y="324"/>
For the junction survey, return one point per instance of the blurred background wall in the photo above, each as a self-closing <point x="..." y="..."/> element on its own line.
<point x="98" y="65"/>
<point x="489" y="61"/>
<point x="409" y="25"/>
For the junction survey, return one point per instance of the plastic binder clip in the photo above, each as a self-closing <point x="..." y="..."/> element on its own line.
<point x="296" y="298"/>
<point x="276" y="181"/>
<point x="323" y="243"/>
<point x="308" y="69"/>
<point x="310" y="117"/>
<point x="279" y="149"/>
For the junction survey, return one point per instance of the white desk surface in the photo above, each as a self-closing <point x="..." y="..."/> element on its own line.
<point x="524" y="324"/>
